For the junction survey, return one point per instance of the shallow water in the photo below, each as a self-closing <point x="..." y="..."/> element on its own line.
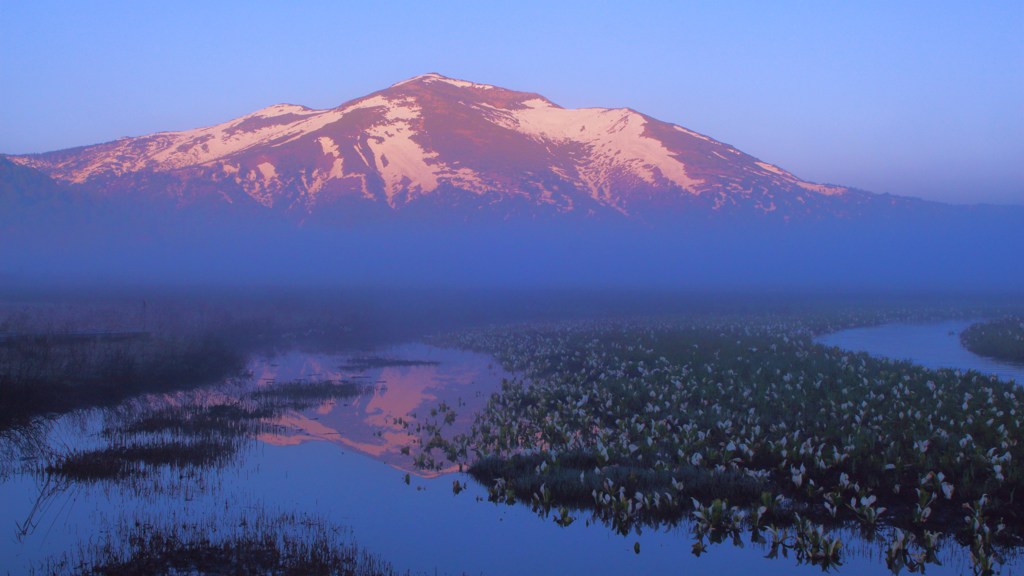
<point x="369" y="423"/>
<point x="330" y="461"/>
<point x="423" y="526"/>
<point x="933" y="345"/>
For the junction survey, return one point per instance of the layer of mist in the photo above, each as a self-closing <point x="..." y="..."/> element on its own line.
<point x="967" y="249"/>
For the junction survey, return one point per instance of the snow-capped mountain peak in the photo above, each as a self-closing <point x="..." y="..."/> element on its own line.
<point x="445" y="143"/>
<point x="432" y="77"/>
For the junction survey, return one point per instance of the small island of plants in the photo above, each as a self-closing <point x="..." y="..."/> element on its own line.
<point x="1001" y="339"/>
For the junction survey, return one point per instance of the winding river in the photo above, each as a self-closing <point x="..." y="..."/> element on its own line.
<point x="932" y="345"/>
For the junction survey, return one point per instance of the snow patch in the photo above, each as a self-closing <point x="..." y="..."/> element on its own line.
<point x="401" y="162"/>
<point x="371" y="102"/>
<point x="337" y="170"/>
<point x="462" y="178"/>
<point x="435" y="77"/>
<point x="823" y="189"/>
<point x="267" y="170"/>
<point x="692" y="133"/>
<point x="614" y="140"/>
<point x="321" y="177"/>
<point x="359" y="150"/>
<point x="775" y="170"/>
<point x="260" y="183"/>
<point x="329" y="146"/>
<point x="417" y="79"/>
<point x="279" y="110"/>
<point x="462" y="83"/>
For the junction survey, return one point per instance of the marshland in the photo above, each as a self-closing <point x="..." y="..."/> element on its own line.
<point x="346" y="432"/>
<point x="1001" y="339"/>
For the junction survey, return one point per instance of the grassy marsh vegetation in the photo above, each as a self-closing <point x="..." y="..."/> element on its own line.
<point x="750" y="425"/>
<point x="738" y="423"/>
<point x="188" y="434"/>
<point x="283" y="545"/>
<point x="171" y="445"/>
<point x="62" y="352"/>
<point x="46" y="373"/>
<point x="1001" y="339"/>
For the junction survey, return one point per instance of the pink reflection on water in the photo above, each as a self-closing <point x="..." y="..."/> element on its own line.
<point x="384" y="420"/>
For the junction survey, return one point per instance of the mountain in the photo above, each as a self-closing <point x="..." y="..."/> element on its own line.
<point x="442" y="182"/>
<point x="442" y="147"/>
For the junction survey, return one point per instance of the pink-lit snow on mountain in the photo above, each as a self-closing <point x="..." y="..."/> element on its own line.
<point x="441" y="142"/>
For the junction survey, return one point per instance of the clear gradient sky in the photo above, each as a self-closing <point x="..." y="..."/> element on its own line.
<point x="913" y="98"/>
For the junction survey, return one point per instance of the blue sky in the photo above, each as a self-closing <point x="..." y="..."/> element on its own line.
<point x="914" y="98"/>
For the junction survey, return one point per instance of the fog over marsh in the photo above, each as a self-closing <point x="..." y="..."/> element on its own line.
<point x="950" y="248"/>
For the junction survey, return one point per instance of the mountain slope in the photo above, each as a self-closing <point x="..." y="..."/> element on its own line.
<point x="439" y="146"/>
<point x="441" y="182"/>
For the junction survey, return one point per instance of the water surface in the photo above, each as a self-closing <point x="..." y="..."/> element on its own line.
<point x="400" y="397"/>
<point x="932" y="345"/>
<point x="341" y="460"/>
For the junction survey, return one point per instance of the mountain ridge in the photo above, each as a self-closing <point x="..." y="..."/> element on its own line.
<point x="430" y="137"/>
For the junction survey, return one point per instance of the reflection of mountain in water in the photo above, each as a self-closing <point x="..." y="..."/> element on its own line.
<point x="405" y="384"/>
